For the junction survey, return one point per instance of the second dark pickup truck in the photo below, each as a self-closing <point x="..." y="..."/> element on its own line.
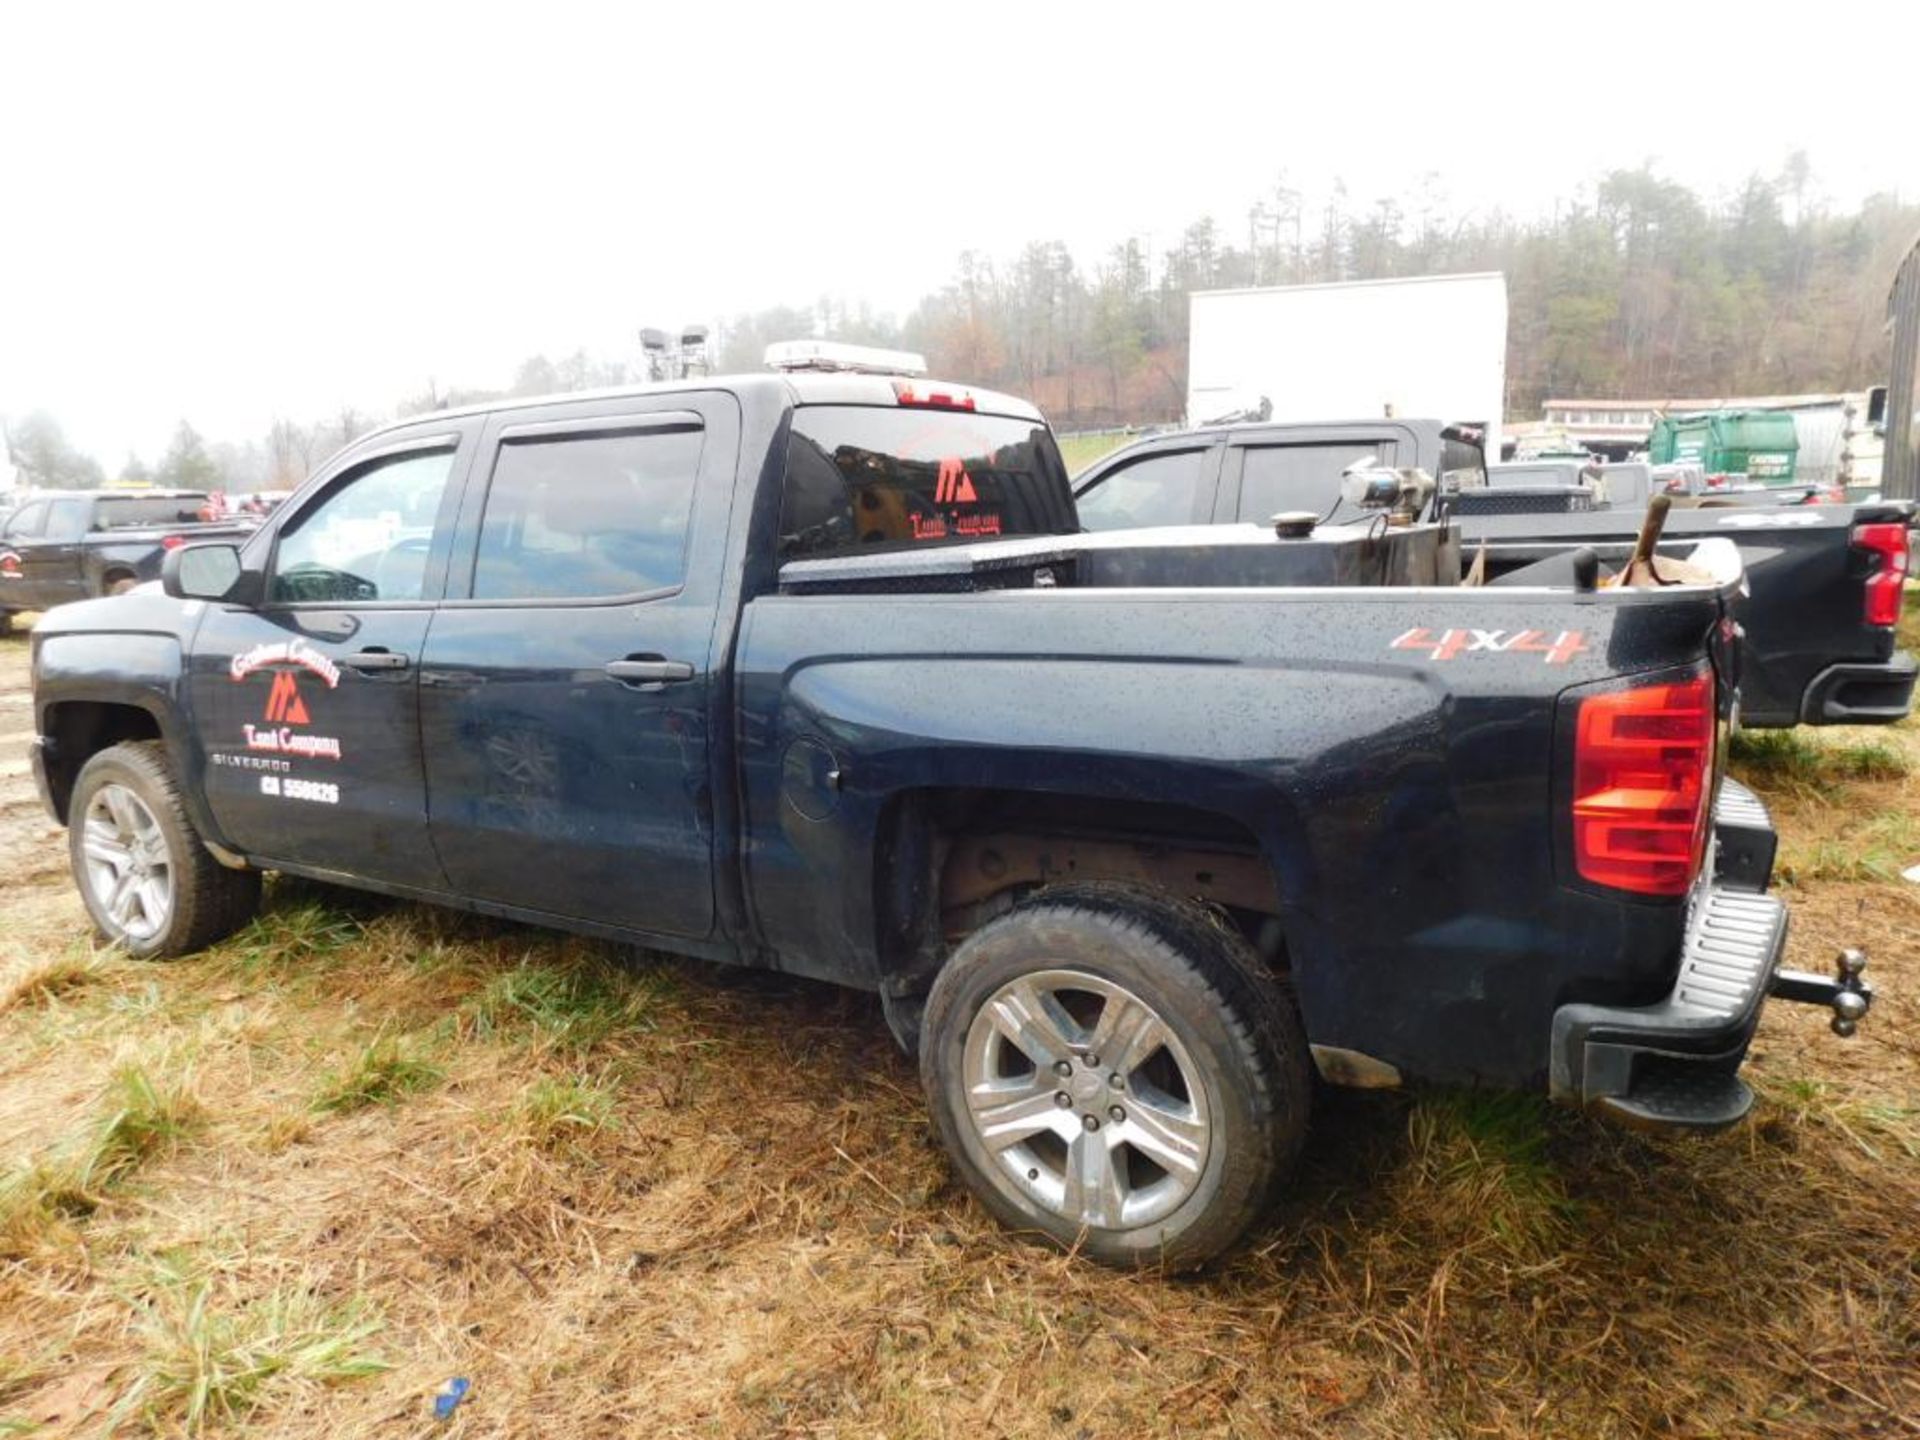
<point x="75" y="544"/>
<point x="1825" y="581"/>
<point x="1130" y="833"/>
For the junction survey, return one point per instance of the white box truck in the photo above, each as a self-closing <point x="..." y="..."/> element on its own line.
<point x="1433" y="347"/>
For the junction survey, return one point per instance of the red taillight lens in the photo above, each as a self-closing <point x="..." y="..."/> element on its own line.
<point x="906" y="394"/>
<point x="172" y="542"/>
<point x="1887" y="543"/>
<point x="1643" y="766"/>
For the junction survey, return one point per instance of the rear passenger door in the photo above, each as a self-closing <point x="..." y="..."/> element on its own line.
<point x="1162" y="487"/>
<point x="567" y="688"/>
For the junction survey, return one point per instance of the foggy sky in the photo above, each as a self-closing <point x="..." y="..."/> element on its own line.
<point x="232" y="213"/>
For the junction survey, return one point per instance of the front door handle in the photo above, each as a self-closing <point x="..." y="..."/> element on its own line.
<point x="375" y="660"/>
<point x="649" y="670"/>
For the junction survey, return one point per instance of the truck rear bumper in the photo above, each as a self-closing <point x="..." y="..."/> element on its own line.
<point x="1861" y="693"/>
<point x="1673" y="1065"/>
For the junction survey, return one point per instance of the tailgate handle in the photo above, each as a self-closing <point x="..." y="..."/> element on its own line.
<point x="375" y="659"/>
<point x="649" y="670"/>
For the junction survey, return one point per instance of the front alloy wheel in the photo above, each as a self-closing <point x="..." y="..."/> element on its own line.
<point x="147" y="880"/>
<point x="127" y="870"/>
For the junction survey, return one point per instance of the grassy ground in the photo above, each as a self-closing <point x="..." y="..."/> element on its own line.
<point x="295" y="1184"/>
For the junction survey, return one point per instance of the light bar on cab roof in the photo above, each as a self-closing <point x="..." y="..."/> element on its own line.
<point x="831" y="355"/>
<point x="905" y="393"/>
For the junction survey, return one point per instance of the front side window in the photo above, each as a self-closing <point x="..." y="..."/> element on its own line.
<point x="587" y="517"/>
<point x="1158" y="489"/>
<point x="369" y="538"/>
<point x="1277" y="478"/>
<point x="28" y="523"/>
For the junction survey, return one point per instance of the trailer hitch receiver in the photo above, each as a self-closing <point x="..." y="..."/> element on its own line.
<point x="1846" y="994"/>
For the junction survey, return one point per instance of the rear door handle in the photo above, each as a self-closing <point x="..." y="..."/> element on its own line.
<point x="375" y="660"/>
<point x="650" y="670"/>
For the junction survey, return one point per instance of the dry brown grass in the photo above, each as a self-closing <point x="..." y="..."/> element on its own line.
<point x="660" y="1198"/>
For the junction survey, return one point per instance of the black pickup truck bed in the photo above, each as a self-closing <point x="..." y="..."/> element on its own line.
<point x="1824" y="580"/>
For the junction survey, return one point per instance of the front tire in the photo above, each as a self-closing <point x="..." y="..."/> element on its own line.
<point x="1114" y="1069"/>
<point x="149" y="883"/>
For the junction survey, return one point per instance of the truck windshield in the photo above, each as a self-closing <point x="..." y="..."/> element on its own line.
<point x="863" y="478"/>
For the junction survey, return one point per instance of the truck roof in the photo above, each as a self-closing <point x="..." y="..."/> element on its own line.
<point x="795" y="387"/>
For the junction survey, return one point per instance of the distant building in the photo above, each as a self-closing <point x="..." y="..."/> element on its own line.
<point x="1840" y="434"/>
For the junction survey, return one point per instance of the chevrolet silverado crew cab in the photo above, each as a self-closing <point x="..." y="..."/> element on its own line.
<point x="1824" y="581"/>
<point x="1131" y="834"/>
<point x="70" y="545"/>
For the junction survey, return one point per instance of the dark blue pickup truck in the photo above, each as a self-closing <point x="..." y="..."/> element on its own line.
<point x="67" y="545"/>
<point x="1131" y="834"/>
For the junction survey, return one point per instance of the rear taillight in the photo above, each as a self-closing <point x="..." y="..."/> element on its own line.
<point x="1886" y="543"/>
<point x="1643" y="767"/>
<point x="172" y="542"/>
<point x="907" y="394"/>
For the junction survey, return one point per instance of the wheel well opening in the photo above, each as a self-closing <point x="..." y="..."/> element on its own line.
<point x="77" y="730"/>
<point x="950" y="860"/>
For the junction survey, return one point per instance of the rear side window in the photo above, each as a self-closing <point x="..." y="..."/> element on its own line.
<point x="1274" y="478"/>
<point x="116" y="513"/>
<point x="588" y="517"/>
<point x="864" y="478"/>
<point x="1158" y="489"/>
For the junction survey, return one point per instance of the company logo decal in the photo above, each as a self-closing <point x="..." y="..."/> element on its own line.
<point x="953" y="486"/>
<point x="286" y="707"/>
<point x="284" y="702"/>
<point x="1449" y="644"/>
<point x="284" y="652"/>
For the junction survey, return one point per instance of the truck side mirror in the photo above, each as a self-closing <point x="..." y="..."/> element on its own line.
<point x="208" y="572"/>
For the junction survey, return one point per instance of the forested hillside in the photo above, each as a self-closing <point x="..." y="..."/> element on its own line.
<point x="1641" y="288"/>
<point x="1645" y="289"/>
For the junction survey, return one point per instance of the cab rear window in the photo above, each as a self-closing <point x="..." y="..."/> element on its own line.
<point x="116" y="512"/>
<point x="864" y="478"/>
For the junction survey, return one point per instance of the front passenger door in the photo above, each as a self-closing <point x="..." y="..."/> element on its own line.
<point x="307" y="708"/>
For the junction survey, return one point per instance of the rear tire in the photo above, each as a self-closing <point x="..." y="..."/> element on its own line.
<point x="1166" y="1149"/>
<point x="119" y="582"/>
<point x="149" y="883"/>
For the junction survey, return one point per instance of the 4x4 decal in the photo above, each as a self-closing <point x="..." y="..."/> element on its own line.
<point x="1450" y="643"/>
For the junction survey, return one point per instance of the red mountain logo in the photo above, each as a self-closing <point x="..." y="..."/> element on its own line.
<point x="954" y="486"/>
<point x="284" y="705"/>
